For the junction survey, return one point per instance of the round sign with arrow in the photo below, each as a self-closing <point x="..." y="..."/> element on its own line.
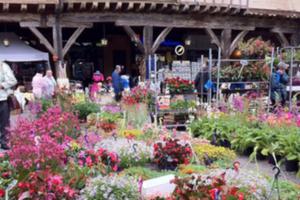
<point x="179" y="50"/>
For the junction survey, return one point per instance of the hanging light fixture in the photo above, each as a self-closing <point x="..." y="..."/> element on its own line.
<point x="6" y="41"/>
<point x="187" y="41"/>
<point x="104" y="41"/>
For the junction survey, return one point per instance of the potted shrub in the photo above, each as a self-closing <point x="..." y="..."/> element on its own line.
<point x="84" y="109"/>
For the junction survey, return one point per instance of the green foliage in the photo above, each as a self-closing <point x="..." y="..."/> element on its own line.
<point x="145" y="173"/>
<point x="46" y="104"/>
<point x="129" y="159"/>
<point x="110" y="117"/>
<point x="182" y="105"/>
<point x="85" y="108"/>
<point x="288" y="190"/>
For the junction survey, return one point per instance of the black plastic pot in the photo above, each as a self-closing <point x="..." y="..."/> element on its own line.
<point x="291" y="165"/>
<point x="248" y="151"/>
<point x="259" y="156"/>
<point x="271" y="159"/>
<point x="225" y="143"/>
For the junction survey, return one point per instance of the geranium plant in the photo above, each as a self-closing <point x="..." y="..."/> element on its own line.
<point x="139" y="94"/>
<point x="179" y="86"/>
<point x="44" y="185"/>
<point x="170" y="153"/>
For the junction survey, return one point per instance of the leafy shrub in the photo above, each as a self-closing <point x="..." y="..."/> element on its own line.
<point x="83" y="109"/>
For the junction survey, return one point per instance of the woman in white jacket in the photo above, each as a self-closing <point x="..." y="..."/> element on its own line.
<point x="7" y="81"/>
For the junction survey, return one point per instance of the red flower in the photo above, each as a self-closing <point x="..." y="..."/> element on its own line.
<point x="5" y="175"/>
<point x="2" y="193"/>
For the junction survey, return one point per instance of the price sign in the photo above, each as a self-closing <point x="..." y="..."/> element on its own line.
<point x="164" y="102"/>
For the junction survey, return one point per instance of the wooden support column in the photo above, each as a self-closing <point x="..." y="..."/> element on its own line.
<point x="225" y="42"/>
<point x="295" y="39"/>
<point x="147" y="47"/>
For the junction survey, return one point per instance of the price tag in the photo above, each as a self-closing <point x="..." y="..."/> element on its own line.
<point x="244" y="62"/>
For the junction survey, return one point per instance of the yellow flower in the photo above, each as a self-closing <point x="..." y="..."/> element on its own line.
<point x="74" y="145"/>
<point x="131" y="133"/>
<point x="213" y="152"/>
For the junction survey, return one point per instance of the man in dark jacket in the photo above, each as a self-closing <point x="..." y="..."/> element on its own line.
<point x="117" y="83"/>
<point x="200" y="81"/>
<point x="279" y="82"/>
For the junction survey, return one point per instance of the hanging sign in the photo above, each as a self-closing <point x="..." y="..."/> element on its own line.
<point x="179" y="50"/>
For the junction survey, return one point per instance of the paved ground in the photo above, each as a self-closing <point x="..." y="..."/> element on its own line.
<point x="264" y="168"/>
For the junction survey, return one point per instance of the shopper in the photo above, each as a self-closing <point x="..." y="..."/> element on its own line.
<point x="38" y="83"/>
<point x="50" y="84"/>
<point x="7" y="81"/>
<point x="279" y="83"/>
<point x="117" y="83"/>
<point x="201" y="79"/>
<point x="98" y="78"/>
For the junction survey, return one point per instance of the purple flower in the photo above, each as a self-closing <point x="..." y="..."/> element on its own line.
<point x="238" y="103"/>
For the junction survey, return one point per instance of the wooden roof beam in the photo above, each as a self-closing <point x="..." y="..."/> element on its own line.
<point x="205" y="9"/>
<point x="161" y="37"/>
<point x="152" y="6"/>
<point x="72" y="40"/>
<point x="23" y="7"/>
<point x="107" y="5"/>
<point x="185" y="8"/>
<point x="141" y="6"/>
<point x="82" y="5"/>
<point x="119" y="5"/>
<point x="5" y="7"/>
<point x="213" y="37"/>
<point x="130" y="6"/>
<point x="95" y="5"/>
<point x="43" y="39"/>
<point x="41" y="8"/>
<point x="70" y="6"/>
<point x="134" y="37"/>
<point x="196" y="8"/>
<point x="237" y="39"/>
<point x="37" y="24"/>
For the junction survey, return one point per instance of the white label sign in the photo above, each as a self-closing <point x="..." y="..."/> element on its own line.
<point x="179" y="50"/>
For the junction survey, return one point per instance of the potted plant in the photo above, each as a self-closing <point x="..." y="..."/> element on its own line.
<point x="180" y="86"/>
<point x="291" y="149"/>
<point x="170" y="153"/>
<point x="83" y="109"/>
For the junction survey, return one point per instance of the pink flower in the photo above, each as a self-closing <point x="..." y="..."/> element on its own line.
<point x="89" y="161"/>
<point x="115" y="168"/>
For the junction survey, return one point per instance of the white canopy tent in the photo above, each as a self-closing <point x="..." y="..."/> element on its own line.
<point x="18" y="51"/>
